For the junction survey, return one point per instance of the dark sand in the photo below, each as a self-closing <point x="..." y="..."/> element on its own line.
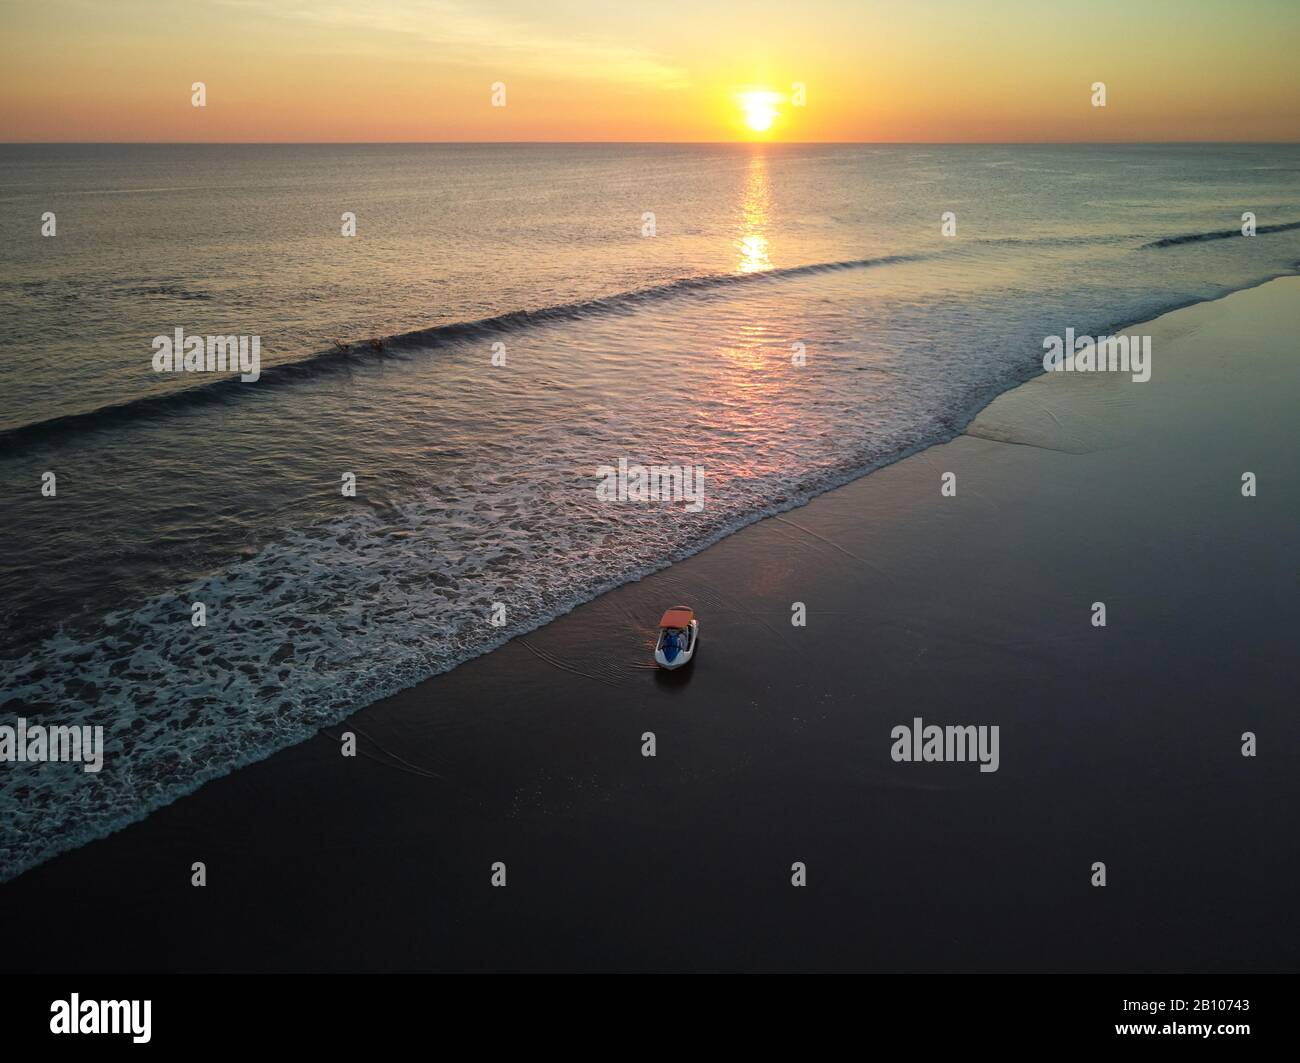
<point x="1119" y="744"/>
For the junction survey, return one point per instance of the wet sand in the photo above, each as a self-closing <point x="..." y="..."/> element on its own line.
<point x="1119" y="744"/>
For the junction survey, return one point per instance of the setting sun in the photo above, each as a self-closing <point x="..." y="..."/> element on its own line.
<point x="760" y="109"/>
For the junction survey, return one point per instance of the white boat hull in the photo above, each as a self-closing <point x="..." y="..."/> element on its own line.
<point x="683" y="656"/>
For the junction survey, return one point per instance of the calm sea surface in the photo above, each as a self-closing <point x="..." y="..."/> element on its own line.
<point x="475" y="481"/>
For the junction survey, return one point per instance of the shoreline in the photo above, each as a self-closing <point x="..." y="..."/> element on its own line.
<point x="505" y="757"/>
<point x="965" y="419"/>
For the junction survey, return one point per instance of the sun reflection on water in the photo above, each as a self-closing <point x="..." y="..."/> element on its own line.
<point x="754" y="208"/>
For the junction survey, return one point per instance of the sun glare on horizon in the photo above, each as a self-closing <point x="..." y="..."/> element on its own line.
<point x="759" y="107"/>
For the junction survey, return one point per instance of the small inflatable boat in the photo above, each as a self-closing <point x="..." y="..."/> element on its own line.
<point x="678" y="633"/>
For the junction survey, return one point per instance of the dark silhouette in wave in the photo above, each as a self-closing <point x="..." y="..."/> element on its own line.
<point x="1219" y="234"/>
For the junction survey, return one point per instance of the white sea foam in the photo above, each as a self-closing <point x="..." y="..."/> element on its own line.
<point x="475" y="481"/>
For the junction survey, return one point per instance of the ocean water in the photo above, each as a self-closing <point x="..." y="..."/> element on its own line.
<point x="476" y="482"/>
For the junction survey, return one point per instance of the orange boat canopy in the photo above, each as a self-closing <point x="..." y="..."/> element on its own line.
<point x="677" y="616"/>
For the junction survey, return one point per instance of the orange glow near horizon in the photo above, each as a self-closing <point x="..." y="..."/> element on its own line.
<point x="423" y="70"/>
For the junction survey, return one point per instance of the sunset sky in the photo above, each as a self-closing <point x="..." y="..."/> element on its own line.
<point x="667" y="70"/>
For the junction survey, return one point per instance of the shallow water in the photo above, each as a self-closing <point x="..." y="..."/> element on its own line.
<point x="476" y="483"/>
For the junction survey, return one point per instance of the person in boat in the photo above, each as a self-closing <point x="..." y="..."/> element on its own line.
<point x="671" y="643"/>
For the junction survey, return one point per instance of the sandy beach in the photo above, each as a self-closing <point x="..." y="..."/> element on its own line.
<point x="1119" y="744"/>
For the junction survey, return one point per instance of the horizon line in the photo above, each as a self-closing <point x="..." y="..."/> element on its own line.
<point x="655" y="143"/>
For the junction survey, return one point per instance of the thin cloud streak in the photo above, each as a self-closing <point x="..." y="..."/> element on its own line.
<point x="492" y="42"/>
